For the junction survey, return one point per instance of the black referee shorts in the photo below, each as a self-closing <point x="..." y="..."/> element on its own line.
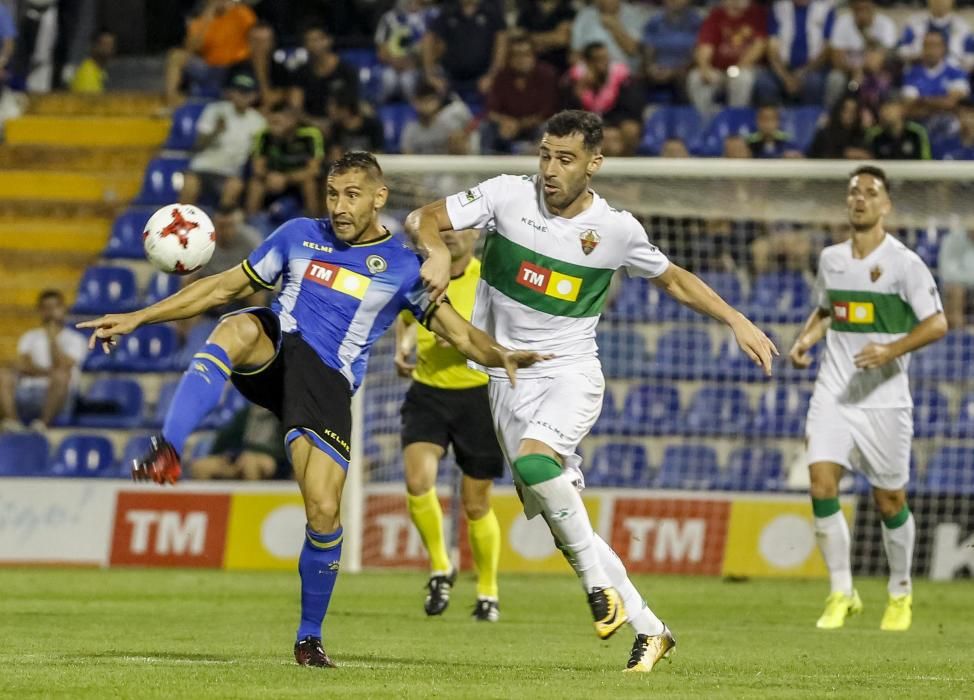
<point x="460" y="417"/>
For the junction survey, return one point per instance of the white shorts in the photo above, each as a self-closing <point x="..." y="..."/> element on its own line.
<point x="559" y="411"/>
<point x="881" y="436"/>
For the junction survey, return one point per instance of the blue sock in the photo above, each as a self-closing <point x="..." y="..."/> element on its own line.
<point x="198" y="393"/>
<point x="318" y="566"/>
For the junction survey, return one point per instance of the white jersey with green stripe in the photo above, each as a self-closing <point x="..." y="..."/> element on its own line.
<point x="876" y="299"/>
<point x="545" y="278"/>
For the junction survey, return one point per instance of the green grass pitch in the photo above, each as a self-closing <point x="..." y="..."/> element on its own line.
<point x="195" y="634"/>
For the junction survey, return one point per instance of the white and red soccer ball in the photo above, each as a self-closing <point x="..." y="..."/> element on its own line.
<point x="179" y="238"/>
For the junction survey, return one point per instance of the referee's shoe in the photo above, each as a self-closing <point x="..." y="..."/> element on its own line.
<point x="438" y="592"/>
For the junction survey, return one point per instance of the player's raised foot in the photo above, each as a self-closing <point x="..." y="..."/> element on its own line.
<point x="899" y="613"/>
<point x="438" y="592"/>
<point x="647" y="651"/>
<point x="309" y="652"/>
<point x="486" y="610"/>
<point x="838" y="607"/>
<point x="607" y="611"/>
<point x="160" y="464"/>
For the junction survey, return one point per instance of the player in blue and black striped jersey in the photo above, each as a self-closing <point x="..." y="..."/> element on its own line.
<point x="344" y="280"/>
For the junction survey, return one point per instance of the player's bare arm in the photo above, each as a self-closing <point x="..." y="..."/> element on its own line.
<point x="477" y="345"/>
<point x="188" y="302"/>
<point x="691" y="291"/>
<point x="929" y="330"/>
<point x="423" y="226"/>
<point x="405" y="345"/>
<point x="814" y="329"/>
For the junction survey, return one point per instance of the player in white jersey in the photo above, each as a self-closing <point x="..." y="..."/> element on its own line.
<point x="876" y="302"/>
<point x="552" y="247"/>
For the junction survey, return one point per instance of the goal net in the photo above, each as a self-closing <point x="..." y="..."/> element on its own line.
<point x="697" y="464"/>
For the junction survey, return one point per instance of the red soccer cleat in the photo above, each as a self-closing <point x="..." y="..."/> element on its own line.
<point x="160" y="464"/>
<point x="309" y="652"/>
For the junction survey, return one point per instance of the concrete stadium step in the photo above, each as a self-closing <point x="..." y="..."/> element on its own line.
<point x="86" y="236"/>
<point x="112" y="104"/>
<point x="41" y="185"/>
<point x="56" y="130"/>
<point x="74" y="158"/>
<point x="12" y="210"/>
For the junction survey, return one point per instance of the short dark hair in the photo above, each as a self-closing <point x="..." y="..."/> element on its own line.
<point x="591" y="48"/>
<point x="282" y="106"/>
<point x="345" y="100"/>
<point x="577" y="121"/>
<point x="425" y="89"/>
<point x="873" y="171"/>
<point x="357" y="160"/>
<point x="50" y="294"/>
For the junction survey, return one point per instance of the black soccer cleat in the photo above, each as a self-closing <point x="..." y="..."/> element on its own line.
<point x="438" y="593"/>
<point x="309" y="652"/>
<point x="160" y="464"/>
<point x="486" y="610"/>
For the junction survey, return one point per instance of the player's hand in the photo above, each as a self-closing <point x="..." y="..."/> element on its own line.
<point x="874" y="355"/>
<point x="514" y="359"/>
<point x="404" y="366"/>
<point x="435" y="274"/>
<point x="109" y="327"/>
<point x="755" y="344"/>
<point x="799" y="355"/>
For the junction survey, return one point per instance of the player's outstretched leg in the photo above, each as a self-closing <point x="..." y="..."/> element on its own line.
<point x="544" y="482"/>
<point x="238" y="340"/>
<point x="484" y="534"/>
<point x="899" y="535"/>
<point x="832" y="534"/>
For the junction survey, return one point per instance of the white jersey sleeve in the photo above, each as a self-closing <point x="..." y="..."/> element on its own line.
<point x="920" y="290"/>
<point x="820" y="293"/>
<point x="643" y="259"/>
<point x="474" y="207"/>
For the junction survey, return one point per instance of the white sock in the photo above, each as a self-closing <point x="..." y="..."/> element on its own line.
<point x="899" y="553"/>
<point x="832" y="534"/>
<point x="565" y="514"/>
<point x="641" y="617"/>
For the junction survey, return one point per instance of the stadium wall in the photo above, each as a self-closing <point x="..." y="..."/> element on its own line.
<point x="259" y="526"/>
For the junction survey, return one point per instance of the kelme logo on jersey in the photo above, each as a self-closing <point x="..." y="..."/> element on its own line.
<point x="854" y="311"/>
<point x="337" y="278"/>
<point x="548" y="282"/>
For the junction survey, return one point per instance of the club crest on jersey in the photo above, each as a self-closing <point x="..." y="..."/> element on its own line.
<point x="875" y="273"/>
<point x="589" y="239"/>
<point x="376" y="264"/>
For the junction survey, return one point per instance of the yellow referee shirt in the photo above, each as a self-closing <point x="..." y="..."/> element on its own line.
<point x="439" y="364"/>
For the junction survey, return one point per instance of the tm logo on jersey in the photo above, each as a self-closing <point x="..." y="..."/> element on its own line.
<point x="548" y="282"/>
<point x="854" y="311"/>
<point x="337" y="278"/>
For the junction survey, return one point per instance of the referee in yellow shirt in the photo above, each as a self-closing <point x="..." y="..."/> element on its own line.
<point x="447" y="404"/>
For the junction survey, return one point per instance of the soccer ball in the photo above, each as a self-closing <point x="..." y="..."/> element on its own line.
<point x="179" y="238"/>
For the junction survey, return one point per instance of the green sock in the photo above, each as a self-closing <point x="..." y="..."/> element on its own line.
<point x="534" y="469"/>
<point x="895" y="521"/>
<point x="824" y="507"/>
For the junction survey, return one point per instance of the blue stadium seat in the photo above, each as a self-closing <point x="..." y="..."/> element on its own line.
<point x="607" y="422"/>
<point x="104" y="289"/>
<point x="382" y="404"/>
<point x="84" y="456"/>
<point x="163" y="181"/>
<point x="930" y="413"/>
<point x="754" y="469"/>
<point x="120" y="401"/>
<point x="781" y="412"/>
<point x="630" y="301"/>
<point x="717" y="410"/>
<point x="231" y="403"/>
<point x="369" y="71"/>
<point x="23" y="454"/>
<point x="683" y="353"/>
<point x="779" y="297"/>
<point x="623" y="354"/>
<point x="727" y="285"/>
<point x="963" y="424"/>
<point x="166" y="393"/>
<point x="926" y="244"/>
<point x="182" y="133"/>
<point x="688" y="467"/>
<point x="147" y="349"/>
<point x="618" y="464"/>
<point x="195" y="339"/>
<point x="730" y="121"/>
<point x="394" y="118"/>
<point x="666" y="123"/>
<point x="649" y="409"/>
<point x="127" y="231"/>
<point x="161" y="285"/>
<point x="951" y="359"/>
<point x="951" y="470"/>
<point x="800" y="123"/>
<point x="733" y="364"/>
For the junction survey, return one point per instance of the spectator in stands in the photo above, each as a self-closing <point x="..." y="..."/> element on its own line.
<point x="92" y="74"/>
<point x="673" y="148"/>
<point x="668" y="42"/>
<point x="442" y="127"/>
<point x="736" y="146"/>
<point x="599" y="84"/>
<point x="843" y="134"/>
<point x="286" y="161"/>
<point x="615" y="24"/>
<point x="939" y="17"/>
<point x="781" y="245"/>
<point x="323" y="75"/>
<point x="731" y="45"/>
<point x="272" y="76"/>
<point x="352" y="128"/>
<point x="769" y="141"/>
<point x="798" y="52"/>
<point x="215" y="40"/>
<point x="8" y="39"/>
<point x="961" y="147"/>
<point x="549" y="25"/>
<point x="955" y="264"/>
<point x="877" y="78"/>
<point x="250" y="447"/>
<point x="465" y="48"/>
<point x="934" y="86"/>
<point x="398" y="40"/>
<point x="225" y="134"/>
<point x="895" y="138"/>
<point x="524" y="95"/>
<point x="45" y="375"/>
<point x="851" y="32"/>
